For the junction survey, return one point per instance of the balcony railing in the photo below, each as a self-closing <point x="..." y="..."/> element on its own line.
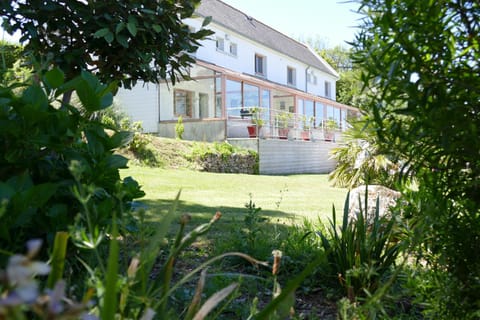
<point x="264" y="123"/>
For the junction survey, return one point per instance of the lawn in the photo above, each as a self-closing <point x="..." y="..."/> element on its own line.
<point x="287" y="198"/>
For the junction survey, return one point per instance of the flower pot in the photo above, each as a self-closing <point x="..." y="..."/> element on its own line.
<point x="252" y="131"/>
<point x="306" y="135"/>
<point x="283" y="133"/>
<point x="329" y="136"/>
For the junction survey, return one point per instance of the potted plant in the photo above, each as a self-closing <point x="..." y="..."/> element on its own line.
<point x="329" y="129"/>
<point x="283" y="121"/>
<point x="257" y="122"/>
<point x="307" y="124"/>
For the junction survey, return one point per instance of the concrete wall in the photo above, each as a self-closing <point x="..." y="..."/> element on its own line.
<point x="206" y="130"/>
<point x="290" y="157"/>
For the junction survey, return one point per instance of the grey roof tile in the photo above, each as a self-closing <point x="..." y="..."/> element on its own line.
<point x="237" y="21"/>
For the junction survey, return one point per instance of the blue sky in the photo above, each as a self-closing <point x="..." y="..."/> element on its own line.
<point x="332" y="21"/>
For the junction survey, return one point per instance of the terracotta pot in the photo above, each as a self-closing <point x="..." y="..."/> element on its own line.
<point x="306" y="135"/>
<point x="252" y="131"/>
<point x="283" y="133"/>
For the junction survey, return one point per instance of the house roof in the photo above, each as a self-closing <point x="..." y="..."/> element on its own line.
<point x="239" y="22"/>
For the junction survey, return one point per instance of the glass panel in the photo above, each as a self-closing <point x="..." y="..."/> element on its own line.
<point x="183" y="103"/>
<point x="336" y="116"/>
<point x="344" y="119"/>
<point x="330" y="113"/>
<point x="266" y="104"/>
<point x="319" y="109"/>
<point x="251" y="96"/>
<point x="233" y="97"/>
<point x="309" y="112"/>
<point x="218" y="97"/>
<point x="203" y="105"/>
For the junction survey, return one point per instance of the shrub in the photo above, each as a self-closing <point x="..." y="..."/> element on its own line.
<point x="361" y="253"/>
<point x="179" y="128"/>
<point x="43" y="145"/>
<point x="140" y="144"/>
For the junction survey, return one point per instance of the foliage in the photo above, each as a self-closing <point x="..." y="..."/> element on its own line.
<point x="140" y="144"/>
<point x="37" y="158"/>
<point x="225" y="149"/>
<point x="283" y="119"/>
<point x="139" y="40"/>
<point x="339" y="57"/>
<point x="179" y="128"/>
<point x="420" y="62"/>
<point x="10" y="69"/>
<point x="359" y="161"/>
<point x="361" y="253"/>
<point x="307" y="122"/>
<point x="330" y="125"/>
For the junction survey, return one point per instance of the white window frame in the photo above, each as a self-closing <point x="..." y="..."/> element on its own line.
<point x="263" y="70"/>
<point x="328" y="89"/>
<point x="291" y="76"/>
<point x="233" y="48"/>
<point x="220" y="44"/>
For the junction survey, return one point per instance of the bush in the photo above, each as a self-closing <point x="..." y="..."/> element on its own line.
<point x="140" y="144"/>
<point x="47" y="148"/>
<point x="361" y="253"/>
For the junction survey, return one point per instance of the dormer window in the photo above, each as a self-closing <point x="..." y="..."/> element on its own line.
<point x="260" y="65"/>
<point x="291" y="76"/>
<point x="220" y="44"/>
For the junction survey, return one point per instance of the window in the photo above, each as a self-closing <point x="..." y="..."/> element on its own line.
<point x="220" y="44"/>
<point x="233" y="49"/>
<point x="291" y="76"/>
<point x="183" y="102"/>
<point x="328" y="89"/>
<point x="260" y="65"/>
<point x="311" y="78"/>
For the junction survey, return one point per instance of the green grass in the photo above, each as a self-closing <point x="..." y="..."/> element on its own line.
<point x="286" y="198"/>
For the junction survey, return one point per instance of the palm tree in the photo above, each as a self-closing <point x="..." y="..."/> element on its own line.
<point x="359" y="161"/>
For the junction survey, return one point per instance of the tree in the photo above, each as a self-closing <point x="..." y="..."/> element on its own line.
<point x="420" y="60"/>
<point x="359" y="161"/>
<point x="9" y="54"/>
<point x="339" y="57"/>
<point x="121" y="40"/>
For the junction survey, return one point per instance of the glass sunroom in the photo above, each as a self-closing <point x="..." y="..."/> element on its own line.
<point x="219" y="104"/>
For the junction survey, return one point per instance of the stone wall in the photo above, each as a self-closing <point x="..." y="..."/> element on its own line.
<point x="235" y="163"/>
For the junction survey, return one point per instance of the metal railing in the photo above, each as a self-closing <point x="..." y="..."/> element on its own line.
<point x="255" y="122"/>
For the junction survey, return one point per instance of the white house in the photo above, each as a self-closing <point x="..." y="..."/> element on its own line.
<point x="246" y="71"/>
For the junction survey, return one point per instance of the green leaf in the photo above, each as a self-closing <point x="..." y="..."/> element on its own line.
<point x="106" y="101"/>
<point x="109" y="306"/>
<point x="120" y="139"/>
<point x="58" y="258"/>
<point x="87" y="96"/>
<point x="109" y="37"/>
<point x="206" y="21"/>
<point x="132" y="27"/>
<point x="35" y="97"/>
<point x="119" y="27"/>
<point x="122" y="40"/>
<point x="54" y="78"/>
<point x="102" y="33"/>
<point x="117" y="161"/>
<point x="157" y="28"/>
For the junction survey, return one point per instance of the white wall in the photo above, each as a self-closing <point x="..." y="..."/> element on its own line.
<point x="244" y="62"/>
<point x="140" y="104"/>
